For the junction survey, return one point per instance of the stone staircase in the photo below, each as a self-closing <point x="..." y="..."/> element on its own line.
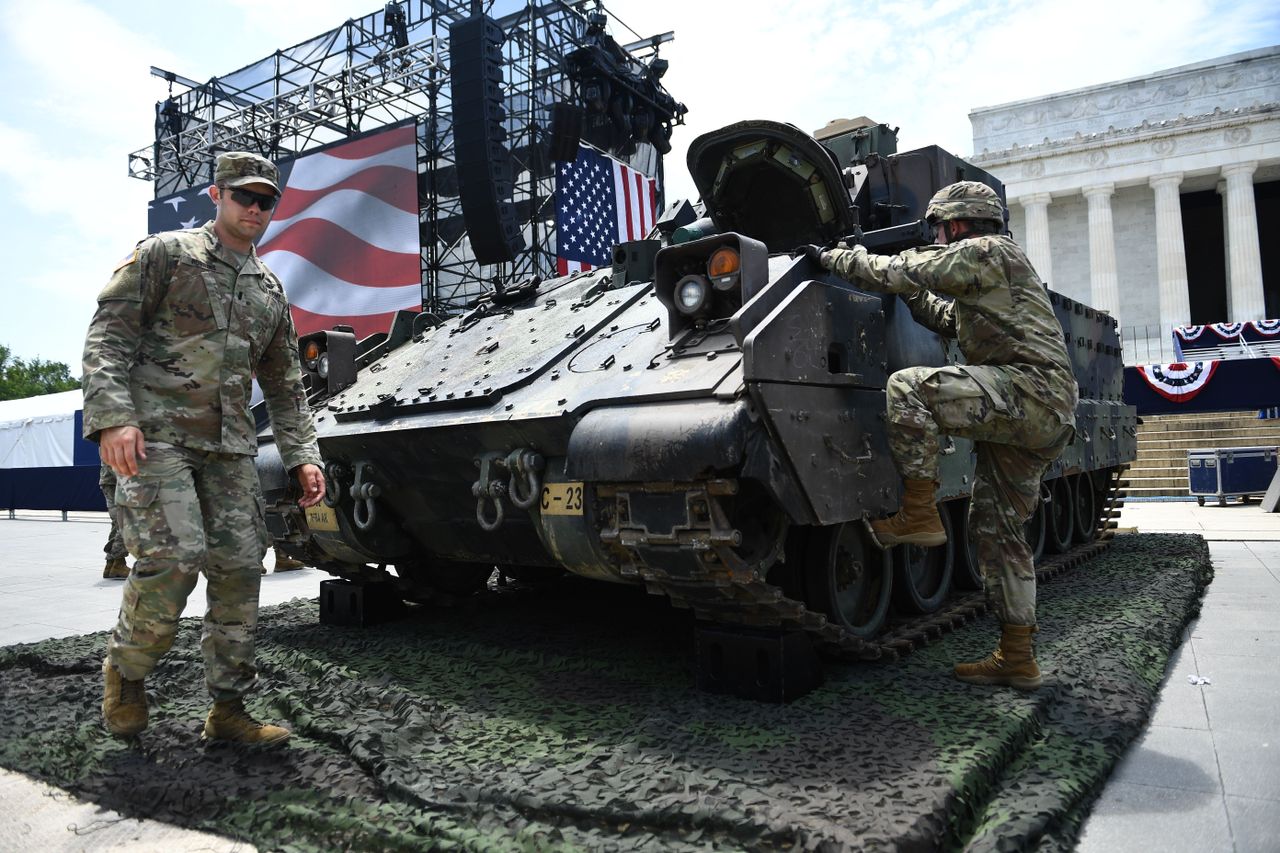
<point x="1163" y="442"/>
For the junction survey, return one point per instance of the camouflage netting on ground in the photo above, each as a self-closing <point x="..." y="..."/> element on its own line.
<point x="566" y="718"/>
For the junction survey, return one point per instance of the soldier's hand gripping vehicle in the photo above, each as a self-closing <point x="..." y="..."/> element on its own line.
<point x="705" y="417"/>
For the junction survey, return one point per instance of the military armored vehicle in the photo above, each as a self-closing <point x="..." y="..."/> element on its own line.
<point x="705" y="417"/>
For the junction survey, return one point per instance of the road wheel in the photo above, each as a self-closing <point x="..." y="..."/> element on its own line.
<point x="967" y="574"/>
<point x="848" y="578"/>
<point x="1060" y="518"/>
<point x="1086" y="508"/>
<point x="922" y="576"/>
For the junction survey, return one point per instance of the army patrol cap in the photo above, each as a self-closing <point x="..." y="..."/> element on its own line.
<point x="239" y="168"/>
<point x="964" y="200"/>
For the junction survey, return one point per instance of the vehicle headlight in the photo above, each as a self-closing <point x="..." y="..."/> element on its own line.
<point x="691" y="294"/>
<point x="322" y="366"/>
<point x="310" y="353"/>
<point x="723" y="268"/>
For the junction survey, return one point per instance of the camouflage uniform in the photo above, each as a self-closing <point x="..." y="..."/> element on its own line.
<point x="181" y="329"/>
<point x="1015" y="397"/>
<point x="114" y="549"/>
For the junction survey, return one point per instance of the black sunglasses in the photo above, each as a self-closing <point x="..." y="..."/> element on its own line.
<point x="246" y="198"/>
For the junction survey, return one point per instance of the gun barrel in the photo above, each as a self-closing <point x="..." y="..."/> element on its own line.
<point x="888" y="241"/>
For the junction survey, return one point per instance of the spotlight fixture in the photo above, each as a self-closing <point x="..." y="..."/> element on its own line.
<point x="396" y="22"/>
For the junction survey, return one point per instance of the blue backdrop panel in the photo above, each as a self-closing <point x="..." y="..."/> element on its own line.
<point x="83" y="452"/>
<point x="72" y="487"/>
<point x="1247" y="383"/>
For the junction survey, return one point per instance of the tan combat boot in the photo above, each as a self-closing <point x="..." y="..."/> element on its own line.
<point x="917" y="521"/>
<point x="124" y="702"/>
<point x="116" y="569"/>
<point x="229" y="721"/>
<point x="1012" y="664"/>
<point x="285" y="563"/>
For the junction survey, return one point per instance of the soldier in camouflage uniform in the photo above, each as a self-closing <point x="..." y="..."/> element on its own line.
<point x="183" y="325"/>
<point x="116" y="567"/>
<point x="1015" y="397"/>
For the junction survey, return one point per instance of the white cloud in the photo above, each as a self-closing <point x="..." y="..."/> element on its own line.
<point x="78" y="99"/>
<point x="920" y="66"/>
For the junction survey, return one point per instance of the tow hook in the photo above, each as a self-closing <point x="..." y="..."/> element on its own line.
<point x="517" y="475"/>
<point x="363" y="492"/>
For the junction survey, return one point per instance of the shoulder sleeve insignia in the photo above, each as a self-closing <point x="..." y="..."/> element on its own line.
<point x="126" y="260"/>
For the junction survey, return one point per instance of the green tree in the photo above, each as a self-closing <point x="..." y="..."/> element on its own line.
<point x="19" y="378"/>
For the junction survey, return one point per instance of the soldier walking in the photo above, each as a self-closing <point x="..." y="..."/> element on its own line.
<point x="1015" y="397"/>
<point x="181" y="328"/>
<point x="116" y="567"/>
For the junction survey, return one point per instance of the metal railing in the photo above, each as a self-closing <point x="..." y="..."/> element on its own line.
<point x="1153" y="344"/>
<point x="1148" y="344"/>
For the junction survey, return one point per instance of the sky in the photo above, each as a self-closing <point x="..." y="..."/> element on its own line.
<point x="77" y="94"/>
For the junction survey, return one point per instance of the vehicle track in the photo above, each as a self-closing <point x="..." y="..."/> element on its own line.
<point x="759" y="604"/>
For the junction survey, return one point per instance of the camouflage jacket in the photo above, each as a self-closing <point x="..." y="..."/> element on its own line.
<point x="999" y="312"/>
<point x="175" y="343"/>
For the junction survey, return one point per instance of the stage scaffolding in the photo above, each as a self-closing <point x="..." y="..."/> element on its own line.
<point x="375" y="71"/>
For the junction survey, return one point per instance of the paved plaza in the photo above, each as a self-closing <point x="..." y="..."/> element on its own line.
<point x="1205" y="776"/>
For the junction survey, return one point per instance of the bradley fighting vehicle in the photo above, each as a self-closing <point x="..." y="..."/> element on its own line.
<point x="704" y="418"/>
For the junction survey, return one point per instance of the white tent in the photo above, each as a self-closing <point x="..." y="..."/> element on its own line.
<point x="39" y="432"/>
<point x="44" y="463"/>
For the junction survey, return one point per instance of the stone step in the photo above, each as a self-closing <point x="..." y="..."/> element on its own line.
<point x="1146" y="461"/>
<point x="1147" y="428"/>
<point x="1170" y="458"/>
<point x="1159" y="492"/>
<point x="1163" y="476"/>
<point x="1160" y="469"/>
<point x="1244" y="426"/>
<point x="1199" y="416"/>
<point x="1144" y="473"/>
<point x="1207" y="438"/>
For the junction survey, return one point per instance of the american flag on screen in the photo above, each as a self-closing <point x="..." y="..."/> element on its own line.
<point x="599" y="203"/>
<point x="344" y="238"/>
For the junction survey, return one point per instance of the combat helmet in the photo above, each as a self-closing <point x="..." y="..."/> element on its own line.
<point x="965" y="200"/>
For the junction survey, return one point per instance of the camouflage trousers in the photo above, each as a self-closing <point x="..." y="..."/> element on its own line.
<point x="186" y="512"/>
<point x="1016" y="438"/>
<point x="114" y="549"/>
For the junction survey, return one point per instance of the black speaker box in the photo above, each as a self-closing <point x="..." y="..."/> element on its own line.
<point x="484" y="168"/>
<point x="566" y="131"/>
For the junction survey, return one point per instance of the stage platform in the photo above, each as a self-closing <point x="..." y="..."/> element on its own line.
<point x="1198" y="778"/>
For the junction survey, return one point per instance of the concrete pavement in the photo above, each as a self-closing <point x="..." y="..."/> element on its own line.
<point x="1205" y="776"/>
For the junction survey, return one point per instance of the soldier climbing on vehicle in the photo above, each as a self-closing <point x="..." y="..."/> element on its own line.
<point x="1015" y="397"/>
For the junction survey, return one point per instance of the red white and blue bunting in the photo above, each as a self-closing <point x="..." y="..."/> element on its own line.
<point x="1228" y="331"/>
<point x="1180" y="381"/>
<point x="1225" y="385"/>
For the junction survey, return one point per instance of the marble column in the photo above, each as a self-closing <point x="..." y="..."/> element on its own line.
<point x="1104" y="282"/>
<point x="1171" y="255"/>
<point x="1036" y="210"/>
<point x="1221" y="188"/>
<point x="1244" y="258"/>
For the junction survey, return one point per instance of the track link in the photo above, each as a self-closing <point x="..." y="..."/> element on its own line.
<point x="758" y="604"/>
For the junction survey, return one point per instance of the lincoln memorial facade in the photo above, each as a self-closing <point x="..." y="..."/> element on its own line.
<point x="1156" y="199"/>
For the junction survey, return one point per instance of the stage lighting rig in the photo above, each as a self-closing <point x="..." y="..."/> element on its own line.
<point x="396" y="22"/>
<point x="624" y="99"/>
<point x="171" y="115"/>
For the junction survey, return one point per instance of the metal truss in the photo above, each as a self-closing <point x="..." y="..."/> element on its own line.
<point x="536" y="39"/>
<point x="355" y="79"/>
